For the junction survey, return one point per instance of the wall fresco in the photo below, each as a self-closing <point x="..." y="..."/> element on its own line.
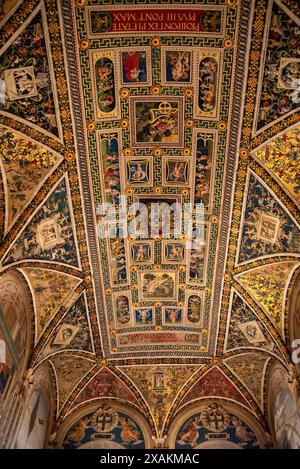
<point x="106" y="422"/>
<point x="215" y="422"/>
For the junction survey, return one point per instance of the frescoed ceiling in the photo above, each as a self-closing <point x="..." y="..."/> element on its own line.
<point x="134" y="102"/>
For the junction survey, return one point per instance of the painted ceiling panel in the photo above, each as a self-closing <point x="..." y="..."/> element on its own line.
<point x="281" y="76"/>
<point x="281" y="158"/>
<point x="152" y="104"/>
<point x="69" y="371"/>
<point x="27" y="86"/>
<point x="49" y="235"/>
<point x="267" y="227"/>
<point x="105" y="384"/>
<point x="72" y="332"/>
<point x="268" y="286"/>
<point x="246" y="329"/>
<point x="51" y="290"/>
<point x="160" y="386"/>
<point x="250" y="369"/>
<point x="213" y="383"/>
<point x="25" y="165"/>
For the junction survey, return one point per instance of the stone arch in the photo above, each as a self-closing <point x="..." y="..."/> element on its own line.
<point x="294" y="317"/>
<point x="282" y="407"/>
<point x="218" y="444"/>
<point x="84" y="416"/>
<point x="16" y="319"/>
<point x="241" y="421"/>
<point x="36" y="421"/>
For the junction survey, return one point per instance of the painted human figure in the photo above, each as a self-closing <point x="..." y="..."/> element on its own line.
<point x="145" y="315"/>
<point x="180" y="66"/>
<point x="137" y="173"/>
<point x="105" y="84"/>
<point x="129" y="433"/>
<point x="177" y="173"/>
<point x="173" y="315"/>
<point x="141" y="252"/>
<point x="132" y="67"/>
<point x="207" y="77"/>
<point x="190" y="434"/>
<point x="122" y="308"/>
<point x="4" y="370"/>
<point x="175" y="252"/>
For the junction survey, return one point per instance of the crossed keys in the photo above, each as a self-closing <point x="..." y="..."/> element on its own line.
<point x="164" y="109"/>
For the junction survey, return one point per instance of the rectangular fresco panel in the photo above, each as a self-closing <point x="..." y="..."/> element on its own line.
<point x="109" y="143"/>
<point x="117" y="256"/>
<point x="162" y="215"/>
<point x="122" y="307"/>
<point x="105" y="84"/>
<point x="177" y="66"/>
<point x="208" y="75"/>
<point x="111" y="20"/>
<point x="197" y="254"/>
<point x="136" y="66"/>
<point x="194" y="305"/>
<point x="159" y="286"/>
<point x="204" y="144"/>
<point x="157" y="121"/>
<point x="157" y="338"/>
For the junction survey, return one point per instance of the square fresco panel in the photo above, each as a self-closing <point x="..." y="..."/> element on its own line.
<point x="177" y="66"/>
<point x="157" y="121"/>
<point x="144" y="316"/>
<point x="135" y="66"/>
<point x="139" y="172"/>
<point x="172" y="316"/>
<point x="20" y="83"/>
<point x="173" y="252"/>
<point x="176" y="171"/>
<point x="142" y="252"/>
